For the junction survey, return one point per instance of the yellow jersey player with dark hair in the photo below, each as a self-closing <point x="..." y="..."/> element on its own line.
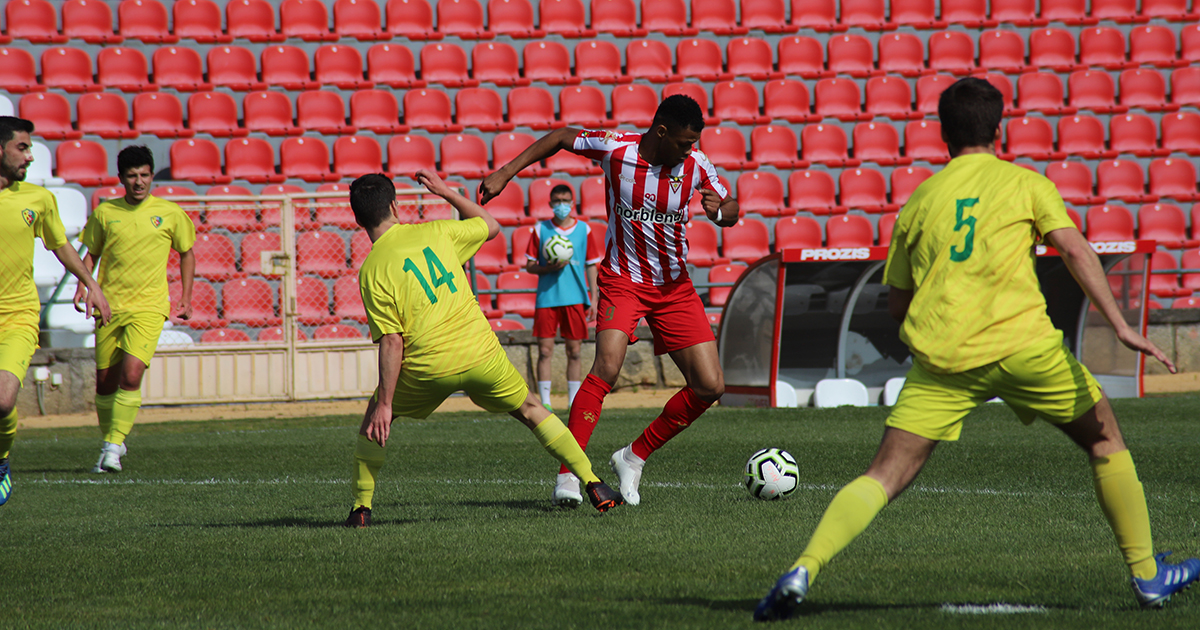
<point x="26" y="212"/>
<point x="130" y="239"/>
<point x="963" y="286"/>
<point x="433" y="339"/>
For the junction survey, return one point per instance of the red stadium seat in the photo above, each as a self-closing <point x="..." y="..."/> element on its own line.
<point x="1002" y="50"/>
<point x="591" y="197"/>
<point x="1067" y="11"/>
<point x="50" y="114"/>
<point x="461" y="18"/>
<point x="376" y="111"/>
<point x="496" y="63"/>
<point x="306" y="20"/>
<point x="838" y="98"/>
<point x="826" y="144"/>
<point x="275" y="334"/>
<point x="776" y="146"/>
<point x="500" y="324"/>
<point x="802" y="56"/>
<point x="864" y="189"/>
<point x="411" y="18"/>
<point x="341" y="66"/>
<point x="1032" y="138"/>
<point x="902" y="53"/>
<point x="507" y="146"/>
<point x="737" y="101"/>
<point x="1074" y="182"/>
<point x="322" y="253"/>
<point x="746" y="241"/>
<point x="1002" y="83"/>
<point x="492" y="256"/>
<point x="725" y="147"/>
<point x="1115" y="10"/>
<point x="923" y="141"/>
<point x="269" y="113"/>
<point x="812" y="191"/>
<point x="199" y="20"/>
<point x="584" y="106"/>
<point x="696" y="92"/>
<point x="1103" y="46"/>
<point x="83" y="162"/>
<point x="225" y="335"/>
<point x="1042" y="92"/>
<point x="885" y="227"/>
<point x="522" y="304"/>
<point x="548" y="62"/>
<point x="485" y="299"/>
<point x="1052" y="48"/>
<point x="305" y="158"/>
<point x="1173" y="178"/>
<point x="787" y="99"/>
<point x="634" y="105"/>
<point x="717" y="16"/>
<point x="1093" y="90"/>
<point x="668" y="17"/>
<point x="879" y="143"/>
<point x="760" y="193"/>
<point x="951" y="51"/>
<point x="850" y="54"/>
<point x="464" y="156"/>
<point x="393" y="66"/>
<point x="648" y="59"/>
<point x="599" y="61"/>
<point x="360" y="246"/>
<point x="1109" y="223"/>
<point x="1121" y="179"/>
<point x="1166" y="224"/>
<point x="1181" y="132"/>
<point x="969" y="13"/>
<point x="701" y="59"/>
<point x="179" y="68"/>
<point x="717" y="296"/>
<point x="797" y="233"/>
<point x="253" y="20"/>
<point x="17" y="71"/>
<point x="513" y="18"/>
<point x="865" y="14"/>
<point x="919" y="14"/>
<point x="145" y="20"/>
<point x="159" y="114"/>
<point x="336" y="211"/>
<point x="849" y="230"/>
<point x="356" y="156"/>
<point x="702" y="244"/>
<point x="1084" y="136"/>
<point x="33" y="20"/>
<point x="322" y="112"/>
<point x="1145" y="88"/>
<point x="233" y="67"/>
<point x="236" y="217"/>
<point x="68" y="69"/>
<point x="334" y="332"/>
<point x="215" y="257"/>
<point x="360" y="19"/>
<point x="198" y="161"/>
<point x="215" y="113"/>
<point x="409" y="154"/>
<point x="90" y="21"/>
<point x="105" y="115"/>
<point x="1154" y="45"/>
<point x="287" y="67"/>
<point x="429" y="110"/>
<point x="1134" y="133"/>
<point x="818" y="15"/>
<point x="124" y="69"/>
<point x="1165" y="285"/>
<point x="616" y="17"/>
<point x="891" y="97"/>
<point x="563" y="17"/>
<point x="446" y="64"/>
<point x="508" y="208"/>
<point x="204" y="306"/>
<point x="567" y="162"/>
<point x="906" y="180"/>
<point x="347" y="300"/>
<point x="271" y="215"/>
<point x="253" y="245"/>
<point x="1191" y="281"/>
<point x="480" y="108"/>
<point x="929" y="89"/>
<point x="750" y="57"/>
<point x="1175" y="10"/>
<point x="249" y="301"/>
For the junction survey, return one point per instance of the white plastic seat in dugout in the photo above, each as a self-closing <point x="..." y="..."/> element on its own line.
<point x="41" y="172"/>
<point x="47" y="271"/>
<point x="170" y="337"/>
<point x="6" y="106"/>
<point x="891" y="390"/>
<point x="72" y="209"/>
<point x="838" y="392"/>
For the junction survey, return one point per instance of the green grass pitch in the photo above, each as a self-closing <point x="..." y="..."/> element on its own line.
<point x="236" y="524"/>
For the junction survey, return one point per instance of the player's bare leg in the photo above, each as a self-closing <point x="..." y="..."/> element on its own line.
<point x="574" y="349"/>
<point x="118" y="399"/>
<point x="9" y="386"/>
<point x="1123" y="502"/>
<point x="544" y="368"/>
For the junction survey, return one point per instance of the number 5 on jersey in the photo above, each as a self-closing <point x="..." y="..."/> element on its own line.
<point x="956" y="254"/>
<point x="437" y="273"/>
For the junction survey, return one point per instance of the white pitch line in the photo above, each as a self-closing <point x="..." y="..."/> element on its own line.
<point x="991" y="609"/>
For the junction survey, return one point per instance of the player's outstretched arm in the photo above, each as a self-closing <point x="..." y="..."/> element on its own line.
<point x="541" y="149"/>
<point x="377" y="423"/>
<point x="95" y="300"/>
<point x="724" y="213"/>
<point x="90" y="261"/>
<point x="467" y="209"/>
<point x="1085" y="267"/>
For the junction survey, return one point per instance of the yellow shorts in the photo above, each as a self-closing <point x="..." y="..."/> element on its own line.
<point x="134" y="333"/>
<point x="494" y="385"/>
<point x="1043" y="380"/>
<point x="17" y="343"/>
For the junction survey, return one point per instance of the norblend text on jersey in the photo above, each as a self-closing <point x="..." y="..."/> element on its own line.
<point x="654" y="216"/>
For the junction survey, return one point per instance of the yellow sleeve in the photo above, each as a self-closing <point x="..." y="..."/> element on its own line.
<point x="468" y="236"/>
<point x="93" y="232"/>
<point x="383" y="311"/>
<point x="50" y="227"/>
<point x="898" y="271"/>
<point x="184" y="235"/>
<point x="1049" y="212"/>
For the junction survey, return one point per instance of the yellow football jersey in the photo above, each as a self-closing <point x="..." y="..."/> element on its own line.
<point x="965" y="244"/>
<point x="413" y="283"/>
<point x="133" y="243"/>
<point x="26" y="211"/>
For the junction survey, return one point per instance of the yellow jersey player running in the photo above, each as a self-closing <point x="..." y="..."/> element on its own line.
<point x="963" y="286"/>
<point x="433" y="339"/>
<point x="131" y="239"/>
<point x="26" y="212"/>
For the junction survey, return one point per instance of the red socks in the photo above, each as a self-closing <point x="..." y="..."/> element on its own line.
<point x="585" y="410"/>
<point x="677" y="415"/>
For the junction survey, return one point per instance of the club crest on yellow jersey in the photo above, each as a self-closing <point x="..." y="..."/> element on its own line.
<point x="156" y="221"/>
<point x="29" y="215"/>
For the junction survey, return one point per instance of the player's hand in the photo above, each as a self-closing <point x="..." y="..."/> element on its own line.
<point x="185" y="311"/>
<point x="97" y="306"/>
<point x="710" y="201"/>
<point x="491" y="186"/>
<point x="555" y="266"/>
<point x="589" y="314"/>
<point x="1134" y="341"/>
<point x="377" y="423"/>
<point x="432" y="182"/>
<point x="80" y="296"/>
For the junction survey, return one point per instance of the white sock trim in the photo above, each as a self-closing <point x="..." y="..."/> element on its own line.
<point x="544" y="390"/>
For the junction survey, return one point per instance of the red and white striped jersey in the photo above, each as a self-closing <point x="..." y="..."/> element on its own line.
<point x="647" y="207"/>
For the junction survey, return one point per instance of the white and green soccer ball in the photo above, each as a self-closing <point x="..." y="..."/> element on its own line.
<point x="558" y="248"/>
<point x="772" y="474"/>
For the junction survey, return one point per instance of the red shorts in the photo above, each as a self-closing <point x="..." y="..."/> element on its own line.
<point x="673" y="311"/>
<point x="572" y="319"/>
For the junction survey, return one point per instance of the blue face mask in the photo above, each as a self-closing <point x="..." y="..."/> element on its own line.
<point x="561" y="210"/>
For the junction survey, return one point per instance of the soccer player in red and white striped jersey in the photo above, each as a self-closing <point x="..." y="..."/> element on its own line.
<point x="650" y="177"/>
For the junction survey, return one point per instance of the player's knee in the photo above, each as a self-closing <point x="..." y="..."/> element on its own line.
<point x="573" y="354"/>
<point x="6" y="407"/>
<point x="710" y="389"/>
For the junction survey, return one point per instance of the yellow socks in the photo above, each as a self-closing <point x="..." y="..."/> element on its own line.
<point x="124" y="411"/>
<point x="1124" y="504"/>
<point x="368" y="459"/>
<point x="104" y="411"/>
<point x="8" y="431"/>
<point x="850" y="512"/>
<point x="559" y="442"/>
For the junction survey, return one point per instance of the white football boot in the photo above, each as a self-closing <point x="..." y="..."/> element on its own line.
<point x="628" y="469"/>
<point x="566" y="492"/>
<point x="110" y="458"/>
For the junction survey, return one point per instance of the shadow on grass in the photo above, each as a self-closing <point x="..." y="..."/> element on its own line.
<point x="522" y="506"/>
<point x="75" y="470"/>
<point x="304" y="523"/>
<point x="807" y="609"/>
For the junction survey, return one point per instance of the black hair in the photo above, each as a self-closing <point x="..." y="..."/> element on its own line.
<point x="133" y="157"/>
<point x="970" y="111"/>
<point x="560" y="189"/>
<point x="680" y="111"/>
<point x="371" y="198"/>
<point x="10" y="125"/>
